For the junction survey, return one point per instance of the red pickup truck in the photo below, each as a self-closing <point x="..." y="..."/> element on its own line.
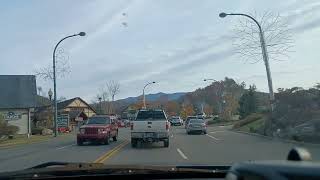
<point x="99" y="128"/>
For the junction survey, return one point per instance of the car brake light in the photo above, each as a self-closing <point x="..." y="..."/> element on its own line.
<point x="167" y="125"/>
<point x="131" y="126"/>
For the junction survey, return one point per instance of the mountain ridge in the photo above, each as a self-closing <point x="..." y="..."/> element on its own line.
<point x="154" y="97"/>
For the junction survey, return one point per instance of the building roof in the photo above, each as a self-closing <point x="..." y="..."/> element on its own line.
<point x="64" y="104"/>
<point x="75" y="114"/>
<point x="18" y="91"/>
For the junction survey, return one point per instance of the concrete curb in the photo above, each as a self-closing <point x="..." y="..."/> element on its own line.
<point x="275" y="138"/>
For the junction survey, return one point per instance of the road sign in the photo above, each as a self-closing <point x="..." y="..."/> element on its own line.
<point x="63" y="120"/>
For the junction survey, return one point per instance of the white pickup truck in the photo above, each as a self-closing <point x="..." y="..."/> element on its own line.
<point x="150" y="126"/>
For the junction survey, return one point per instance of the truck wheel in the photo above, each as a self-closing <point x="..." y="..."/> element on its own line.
<point x="79" y="142"/>
<point x="166" y="143"/>
<point x="133" y="143"/>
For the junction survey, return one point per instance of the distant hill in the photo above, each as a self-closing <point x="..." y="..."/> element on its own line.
<point x="153" y="97"/>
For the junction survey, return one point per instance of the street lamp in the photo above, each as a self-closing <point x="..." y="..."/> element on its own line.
<point x="210" y="80"/>
<point x="264" y="53"/>
<point x="100" y="105"/>
<point x="144" y="97"/>
<point x="50" y="93"/>
<point x="54" y="79"/>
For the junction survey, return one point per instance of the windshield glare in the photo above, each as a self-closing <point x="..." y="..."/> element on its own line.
<point x="120" y="82"/>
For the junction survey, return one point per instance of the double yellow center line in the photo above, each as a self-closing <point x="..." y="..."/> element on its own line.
<point x="110" y="153"/>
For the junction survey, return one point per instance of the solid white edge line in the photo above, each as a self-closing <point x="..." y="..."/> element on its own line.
<point x="181" y="154"/>
<point x="65" y="146"/>
<point x="212" y="137"/>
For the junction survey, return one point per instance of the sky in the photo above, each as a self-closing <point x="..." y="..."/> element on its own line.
<point x="173" y="42"/>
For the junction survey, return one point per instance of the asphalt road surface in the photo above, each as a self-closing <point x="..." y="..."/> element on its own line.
<point x="219" y="147"/>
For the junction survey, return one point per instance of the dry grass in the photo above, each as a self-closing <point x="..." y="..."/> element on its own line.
<point x="23" y="139"/>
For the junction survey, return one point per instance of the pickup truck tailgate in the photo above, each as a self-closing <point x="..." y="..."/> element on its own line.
<point x="150" y="125"/>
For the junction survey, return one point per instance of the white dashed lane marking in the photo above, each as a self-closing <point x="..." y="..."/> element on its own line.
<point x="212" y="137"/>
<point x="182" y="154"/>
<point x="65" y="146"/>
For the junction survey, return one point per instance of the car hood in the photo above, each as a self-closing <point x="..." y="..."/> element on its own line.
<point x="51" y="169"/>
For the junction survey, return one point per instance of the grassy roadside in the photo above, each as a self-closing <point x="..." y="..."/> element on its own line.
<point x="252" y="127"/>
<point x="254" y="123"/>
<point x="223" y="123"/>
<point x="23" y="139"/>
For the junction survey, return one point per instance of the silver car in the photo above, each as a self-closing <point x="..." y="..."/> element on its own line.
<point x="196" y="125"/>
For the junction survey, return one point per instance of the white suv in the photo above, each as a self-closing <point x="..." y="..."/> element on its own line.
<point x="150" y="126"/>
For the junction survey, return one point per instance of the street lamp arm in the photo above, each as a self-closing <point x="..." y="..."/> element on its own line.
<point x="148" y="84"/>
<point x="144" y="97"/>
<point x="55" y="48"/>
<point x="248" y="16"/>
<point x="210" y="80"/>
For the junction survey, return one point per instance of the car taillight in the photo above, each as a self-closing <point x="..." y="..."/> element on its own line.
<point x="167" y="125"/>
<point x="131" y="126"/>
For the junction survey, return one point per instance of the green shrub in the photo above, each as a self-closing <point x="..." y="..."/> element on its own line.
<point x="6" y="129"/>
<point x="252" y="130"/>
<point x="12" y="130"/>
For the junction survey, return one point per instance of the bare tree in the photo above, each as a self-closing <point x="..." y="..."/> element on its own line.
<point x="103" y="94"/>
<point x="62" y="66"/>
<point x="278" y="38"/>
<point x="113" y="88"/>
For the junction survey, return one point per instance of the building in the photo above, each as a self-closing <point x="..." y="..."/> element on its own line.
<point x="71" y="112"/>
<point x="18" y="100"/>
<point x="76" y="109"/>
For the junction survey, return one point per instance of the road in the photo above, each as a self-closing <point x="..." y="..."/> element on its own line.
<point x="220" y="146"/>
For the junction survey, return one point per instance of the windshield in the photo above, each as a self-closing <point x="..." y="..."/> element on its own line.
<point x="118" y="82"/>
<point x="150" y="115"/>
<point x="191" y="117"/>
<point x="196" y="122"/>
<point x="98" y="120"/>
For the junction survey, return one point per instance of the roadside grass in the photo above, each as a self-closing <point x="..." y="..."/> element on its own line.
<point x="253" y="123"/>
<point x="218" y="123"/>
<point x="23" y="139"/>
<point x="252" y="127"/>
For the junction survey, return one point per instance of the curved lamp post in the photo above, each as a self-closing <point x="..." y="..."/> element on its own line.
<point x="144" y="97"/>
<point x="264" y="53"/>
<point x="54" y="79"/>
